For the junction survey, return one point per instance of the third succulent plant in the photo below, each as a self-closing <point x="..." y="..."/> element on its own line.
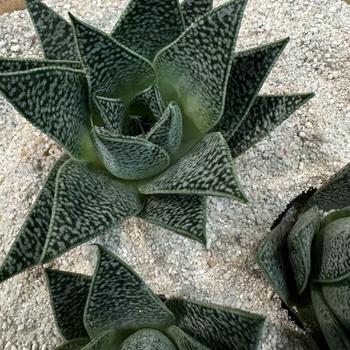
<point x="150" y="117"/>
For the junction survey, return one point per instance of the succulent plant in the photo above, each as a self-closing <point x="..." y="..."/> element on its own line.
<point x="114" y="309"/>
<point x="306" y="258"/>
<point x="150" y="118"/>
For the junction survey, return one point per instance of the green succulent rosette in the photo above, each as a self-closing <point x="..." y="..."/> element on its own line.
<point x="115" y="309"/>
<point x="150" y="117"/>
<point x="306" y="258"/>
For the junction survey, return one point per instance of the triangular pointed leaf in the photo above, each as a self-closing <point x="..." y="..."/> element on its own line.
<point x="112" y="113"/>
<point x="216" y="326"/>
<point x="75" y="344"/>
<point x="299" y="246"/>
<point x="184" y="341"/>
<point x="332" y="244"/>
<point x="335" y="193"/>
<point x="87" y="203"/>
<point x="68" y="293"/>
<point x="199" y="84"/>
<point x="26" y="250"/>
<point x="337" y="296"/>
<point x="333" y="331"/>
<point x="149" y="25"/>
<point x="55" y="33"/>
<point x="167" y="132"/>
<point x="130" y="158"/>
<point x="194" y="9"/>
<point x="248" y="72"/>
<point x="148" y="339"/>
<point x="62" y="116"/>
<point x="8" y="65"/>
<point x="151" y="99"/>
<point x="112" y="69"/>
<point x="264" y="116"/>
<point x="183" y="214"/>
<point x="119" y="299"/>
<point x="207" y="169"/>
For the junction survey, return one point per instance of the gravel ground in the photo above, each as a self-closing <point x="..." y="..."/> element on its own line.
<point x="303" y="152"/>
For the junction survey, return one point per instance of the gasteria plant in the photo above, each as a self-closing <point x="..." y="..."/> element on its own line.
<point x="306" y="258"/>
<point x="150" y="118"/>
<point x="116" y="310"/>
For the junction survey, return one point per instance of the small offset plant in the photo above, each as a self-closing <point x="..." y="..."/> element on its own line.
<point x="306" y="258"/>
<point x="116" y="310"/>
<point x="150" y="118"/>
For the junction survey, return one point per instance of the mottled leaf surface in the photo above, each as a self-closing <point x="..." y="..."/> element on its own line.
<point x="119" y="299"/>
<point x="75" y="344"/>
<point x="248" y="72"/>
<point x="8" y="65"/>
<point x="265" y="115"/>
<point x="331" y="328"/>
<point x="299" y="246"/>
<point x="112" y="69"/>
<point x="87" y="203"/>
<point x="333" y="251"/>
<point x="55" y="33"/>
<point x="207" y="169"/>
<point x="130" y="158"/>
<point x="167" y="132"/>
<point x="217" y="327"/>
<point x="62" y="116"/>
<point x="183" y="214"/>
<point x="148" y="339"/>
<point x="68" y="293"/>
<point x="194" y="69"/>
<point x="112" y="113"/>
<point x="150" y="98"/>
<point x="194" y="9"/>
<point x="27" y="248"/>
<point x="147" y="26"/>
<point x="335" y="193"/>
<point x="184" y="341"/>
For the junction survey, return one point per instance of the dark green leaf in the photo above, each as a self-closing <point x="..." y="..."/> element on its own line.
<point x="68" y="293"/>
<point x="112" y="69"/>
<point x="207" y="169"/>
<point x="26" y="250"/>
<point x="184" y="341"/>
<point x="337" y="296"/>
<point x="194" y="69"/>
<point x="272" y="257"/>
<point x="63" y="116"/>
<point x="299" y="245"/>
<point x="147" y="26"/>
<point x="335" y="193"/>
<point x="112" y="113"/>
<point x="119" y="299"/>
<point x="183" y="214"/>
<point x="8" y="65"/>
<point x="75" y="344"/>
<point x="332" y="244"/>
<point x="55" y="33"/>
<point x="331" y="328"/>
<point x="148" y="339"/>
<point x="265" y="115"/>
<point x="87" y="203"/>
<point x="167" y="132"/>
<point x="130" y="157"/>
<point x="151" y="99"/>
<point x="248" y="72"/>
<point x="216" y="326"/>
<point x="193" y="9"/>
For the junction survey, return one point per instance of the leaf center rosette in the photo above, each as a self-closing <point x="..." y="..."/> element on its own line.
<point x="150" y="117"/>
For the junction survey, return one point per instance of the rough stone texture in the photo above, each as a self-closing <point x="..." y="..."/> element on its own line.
<point x="303" y="152"/>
